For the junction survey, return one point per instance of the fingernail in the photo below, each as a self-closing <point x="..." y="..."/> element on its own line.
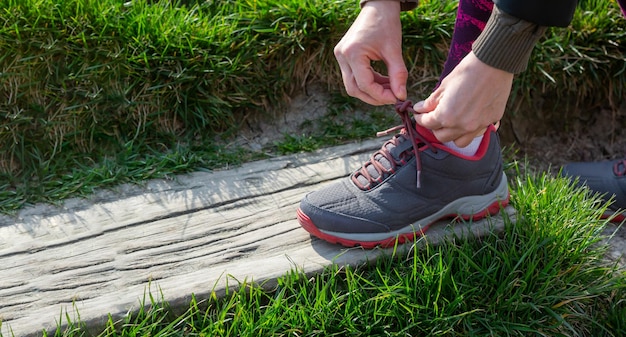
<point x="402" y="93"/>
<point x="418" y="105"/>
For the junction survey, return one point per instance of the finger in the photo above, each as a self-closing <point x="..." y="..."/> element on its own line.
<point x="464" y="140"/>
<point x="382" y="80"/>
<point x="447" y="134"/>
<point x="427" y="105"/>
<point x="363" y="96"/>
<point x="398" y="76"/>
<point x="364" y="76"/>
<point x="351" y="85"/>
<point x="460" y="138"/>
<point x="429" y="121"/>
<point x="467" y="138"/>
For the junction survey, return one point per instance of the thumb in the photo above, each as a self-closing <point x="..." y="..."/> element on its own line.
<point x="398" y="75"/>
<point x="423" y="116"/>
<point x="426" y="105"/>
<point x="428" y="120"/>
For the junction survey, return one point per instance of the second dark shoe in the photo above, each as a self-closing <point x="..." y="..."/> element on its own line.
<point x="608" y="178"/>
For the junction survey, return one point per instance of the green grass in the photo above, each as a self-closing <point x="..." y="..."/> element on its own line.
<point x="97" y="93"/>
<point x="543" y="275"/>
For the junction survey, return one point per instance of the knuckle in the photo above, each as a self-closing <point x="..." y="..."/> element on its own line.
<point x="338" y="51"/>
<point x="471" y="126"/>
<point x="442" y="121"/>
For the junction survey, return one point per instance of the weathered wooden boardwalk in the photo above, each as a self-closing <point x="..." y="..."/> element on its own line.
<point x="175" y="238"/>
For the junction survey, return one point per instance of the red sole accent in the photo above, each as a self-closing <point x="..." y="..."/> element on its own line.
<point x="614" y="218"/>
<point x="308" y="225"/>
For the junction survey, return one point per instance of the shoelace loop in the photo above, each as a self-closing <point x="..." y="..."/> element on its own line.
<point x="406" y="111"/>
<point x="619" y="168"/>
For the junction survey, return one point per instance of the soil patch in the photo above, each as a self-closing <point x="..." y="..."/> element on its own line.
<point x="593" y="134"/>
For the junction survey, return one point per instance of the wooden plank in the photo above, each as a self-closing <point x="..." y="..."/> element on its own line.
<point x="175" y="238"/>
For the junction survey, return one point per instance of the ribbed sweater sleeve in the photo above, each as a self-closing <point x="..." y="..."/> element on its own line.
<point x="507" y="41"/>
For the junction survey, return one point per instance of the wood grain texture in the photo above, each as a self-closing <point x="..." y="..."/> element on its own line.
<point x="174" y="238"/>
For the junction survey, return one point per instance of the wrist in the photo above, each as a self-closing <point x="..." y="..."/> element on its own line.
<point x="404" y="5"/>
<point x="383" y="11"/>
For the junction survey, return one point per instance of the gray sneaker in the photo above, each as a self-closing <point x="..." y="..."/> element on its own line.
<point x="411" y="182"/>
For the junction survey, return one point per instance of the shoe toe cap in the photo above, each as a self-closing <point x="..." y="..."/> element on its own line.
<point x="337" y="215"/>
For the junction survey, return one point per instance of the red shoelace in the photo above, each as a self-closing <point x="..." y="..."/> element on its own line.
<point x="407" y="130"/>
